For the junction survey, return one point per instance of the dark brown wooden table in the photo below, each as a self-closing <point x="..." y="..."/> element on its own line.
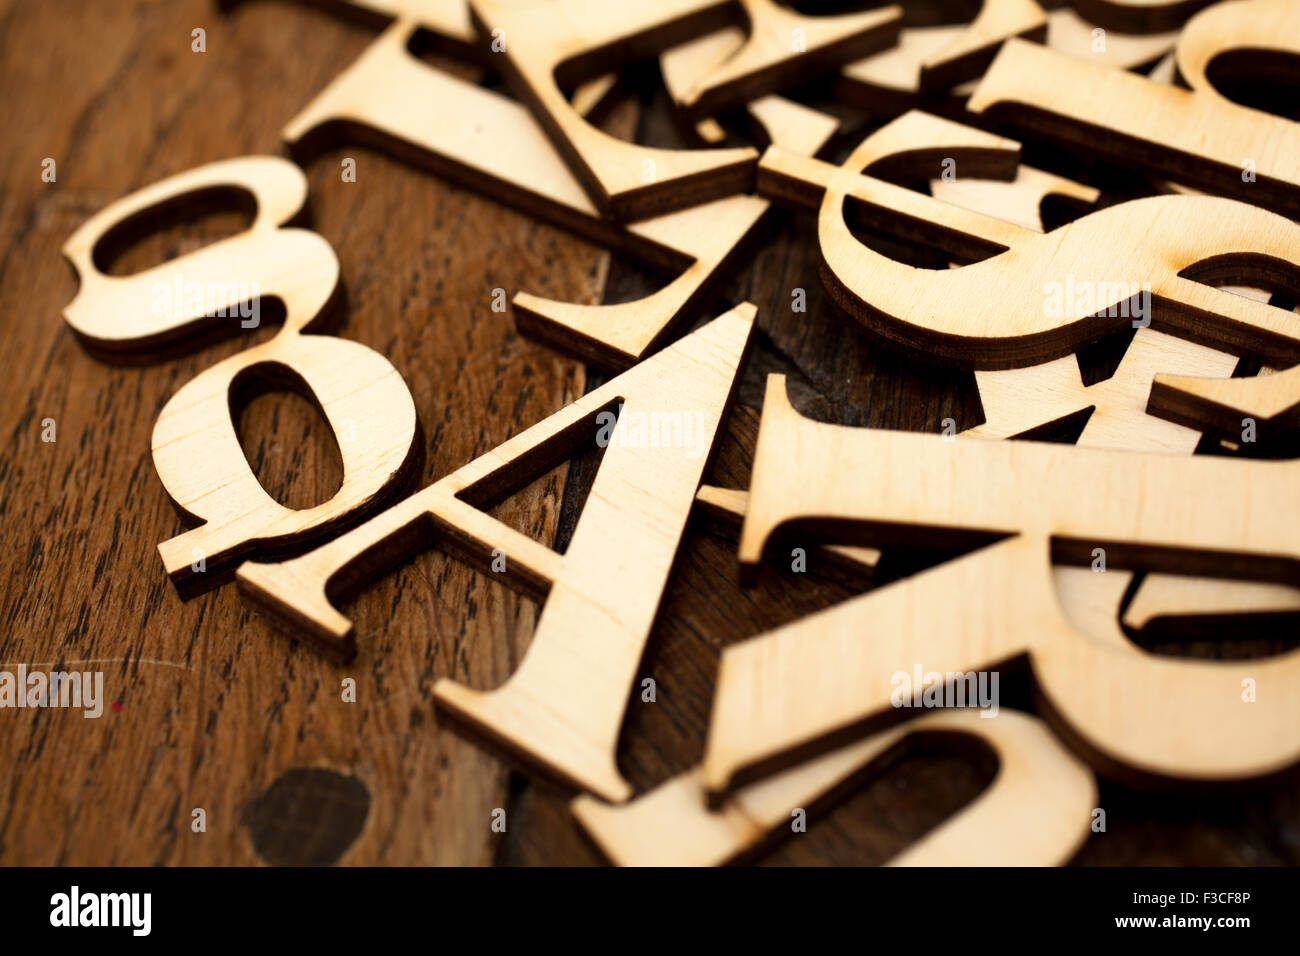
<point x="211" y="707"/>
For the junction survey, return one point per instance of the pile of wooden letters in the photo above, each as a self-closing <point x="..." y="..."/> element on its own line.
<point x="1201" y="266"/>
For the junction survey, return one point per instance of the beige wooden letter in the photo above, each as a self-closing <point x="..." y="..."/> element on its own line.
<point x="1036" y="812"/>
<point x="777" y="119"/>
<point x="822" y="680"/>
<point x="564" y="705"/>
<point x="492" y="144"/>
<point x="196" y="450"/>
<point x="159" y="307"/>
<point x="551" y="44"/>
<point x="1056" y="292"/>
<point x="1036" y="401"/>
<point x="1222" y="406"/>
<point x="1196" y="137"/>
<point x="1139" y="16"/>
<point x="965" y="55"/>
<point x="928" y="62"/>
<point x="784" y="48"/>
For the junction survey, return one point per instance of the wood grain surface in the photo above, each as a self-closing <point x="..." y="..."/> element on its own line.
<point x="208" y="706"/>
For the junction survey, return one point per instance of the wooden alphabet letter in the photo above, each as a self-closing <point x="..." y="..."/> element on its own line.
<point x="773" y="118"/>
<point x="1139" y="16"/>
<point x="1034" y="813"/>
<point x="196" y="449"/>
<point x="820" y="681"/>
<point x="770" y="59"/>
<point x="563" y="707"/>
<point x="492" y="144"/>
<point x="1222" y="406"/>
<point x="928" y="62"/>
<point x="1197" y="137"/>
<point x="1054" y="293"/>
<point x="554" y="43"/>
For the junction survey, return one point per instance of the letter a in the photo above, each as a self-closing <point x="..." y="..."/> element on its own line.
<point x="563" y="707"/>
